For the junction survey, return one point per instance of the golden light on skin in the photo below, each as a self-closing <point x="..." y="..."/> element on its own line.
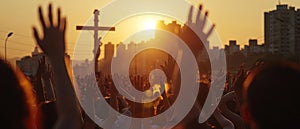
<point x="168" y="89"/>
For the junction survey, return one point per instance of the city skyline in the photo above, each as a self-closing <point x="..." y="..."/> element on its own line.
<point x="233" y="25"/>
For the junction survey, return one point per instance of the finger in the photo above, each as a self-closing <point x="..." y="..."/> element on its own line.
<point x="64" y="32"/>
<point x="204" y="20"/>
<point x="50" y="16"/>
<point x="190" y="17"/>
<point x="211" y="30"/>
<point x="42" y="18"/>
<point x="36" y="35"/>
<point x="198" y="14"/>
<point x="37" y="38"/>
<point x="64" y="25"/>
<point x="58" y="17"/>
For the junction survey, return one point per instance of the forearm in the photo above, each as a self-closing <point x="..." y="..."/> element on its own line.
<point x="67" y="105"/>
<point x="53" y="45"/>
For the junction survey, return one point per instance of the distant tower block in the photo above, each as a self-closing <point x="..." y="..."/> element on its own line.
<point x="121" y="48"/>
<point x="109" y="50"/>
<point x="281" y="34"/>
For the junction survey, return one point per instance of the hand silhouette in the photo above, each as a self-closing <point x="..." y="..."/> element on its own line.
<point x="53" y="41"/>
<point x="200" y="23"/>
<point x="193" y="31"/>
<point x="53" y="45"/>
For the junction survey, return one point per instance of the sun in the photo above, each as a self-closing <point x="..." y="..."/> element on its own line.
<point x="149" y="24"/>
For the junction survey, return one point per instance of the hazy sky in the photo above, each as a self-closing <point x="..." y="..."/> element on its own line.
<point x="235" y="19"/>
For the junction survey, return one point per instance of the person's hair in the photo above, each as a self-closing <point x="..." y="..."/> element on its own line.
<point x="16" y="97"/>
<point x="272" y="94"/>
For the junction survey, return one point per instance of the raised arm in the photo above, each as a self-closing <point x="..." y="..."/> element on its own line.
<point x="53" y="45"/>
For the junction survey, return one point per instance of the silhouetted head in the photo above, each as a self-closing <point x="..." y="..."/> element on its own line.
<point x="271" y="97"/>
<point x="16" y="101"/>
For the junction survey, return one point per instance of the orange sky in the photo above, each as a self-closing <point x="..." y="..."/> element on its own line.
<point x="235" y="19"/>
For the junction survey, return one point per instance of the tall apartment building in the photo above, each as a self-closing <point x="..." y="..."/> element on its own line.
<point x="232" y="48"/>
<point x="109" y="50"/>
<point x="282" y="27"/>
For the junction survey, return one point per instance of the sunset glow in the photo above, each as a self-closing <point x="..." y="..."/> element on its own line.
<point x="149" y="24"/>
<point x="229" y="16"/>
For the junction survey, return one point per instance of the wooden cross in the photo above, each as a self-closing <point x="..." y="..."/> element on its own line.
<point x="96" y="28"/>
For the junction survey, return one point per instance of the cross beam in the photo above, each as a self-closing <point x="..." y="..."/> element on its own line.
<point x="93" y="28"/>
<point x="96" y="28"/>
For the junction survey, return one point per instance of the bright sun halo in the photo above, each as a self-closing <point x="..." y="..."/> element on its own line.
<point x="149" y="24"/>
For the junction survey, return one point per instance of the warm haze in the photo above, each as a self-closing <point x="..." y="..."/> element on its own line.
<point x="235" y="19"/>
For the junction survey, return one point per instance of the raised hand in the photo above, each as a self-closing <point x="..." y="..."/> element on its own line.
<point x="196" y="37"/>
<point x="53" y="41"/>
<point x="53" y="45"/>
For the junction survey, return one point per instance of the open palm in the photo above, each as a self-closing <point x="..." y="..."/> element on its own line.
<point x="53" y="41"/>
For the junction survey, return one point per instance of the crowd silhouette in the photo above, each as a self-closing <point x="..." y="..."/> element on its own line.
<point x="262" y="97"/>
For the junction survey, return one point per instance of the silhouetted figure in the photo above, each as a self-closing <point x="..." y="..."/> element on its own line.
<point x="17" y="101"/>
<point x="53" y="45"/>
<point x="271" y="97"/>
<point x="197" y="47"/>
<point x="18" y="110"/>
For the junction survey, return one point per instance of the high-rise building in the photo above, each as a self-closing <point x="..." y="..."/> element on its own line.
<point x="232" y="47"/>
<point x="282" y="30"/>
<point x="254" y="47"/>
<point x="109" y="50"/>
<point x="172" y="27"/>
<point x="121" y="48"/>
